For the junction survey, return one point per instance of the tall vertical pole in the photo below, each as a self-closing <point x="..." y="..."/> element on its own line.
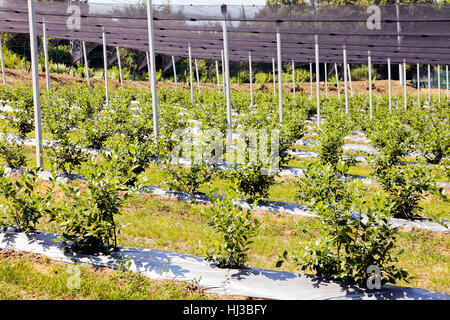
<point x="197" y="76"/>
<point x="429" y="84"/>
<point x="151" y="49"/>
<point x="35" y="78"/>
<point x="418" y="85"/>
<point x="273" y="78"/>
<point x="86" y="65"/>
<point x="2" y="62"/>
<point x="326" y="80"/>
<point x="344" y="53"/>
<point x="405" y="97"/>
<point x="310" y="80"/>
<point x="191" y="81"/>
<point x="223" y="77"/>
<point x="56" y="58"/>
<point x="280" y="77"/>
<point x="105" y="66"/>
<point x="397" y="11"/>
<point x="175" y="72"/>
<point x="369" y="64"/>
<point x="120" y="66"/>
<point x="439" y="83"/>
<point x="47" y="71"/>
<point x="218" y="75"/>
<point x="316" y="47"/>
<point x="148" y="67"/>
<point x="227" y="72"/>
<point x="251" y="76"/>
<point x="389" y="85"/>
<point x="350" y="79"/>
<point x="446" y="78"/>
<point x="337" y="80"/>
<point x="293" y="78"/>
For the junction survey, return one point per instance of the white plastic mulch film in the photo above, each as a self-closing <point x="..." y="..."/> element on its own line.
<point x="252" y="282"/>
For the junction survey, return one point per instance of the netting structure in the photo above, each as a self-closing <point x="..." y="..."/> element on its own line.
<point x="416" y="33"/>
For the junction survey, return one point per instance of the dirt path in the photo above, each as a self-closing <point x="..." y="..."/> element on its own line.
<point x="380" y="86"/>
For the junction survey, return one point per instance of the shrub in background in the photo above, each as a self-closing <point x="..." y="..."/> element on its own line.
<point x="262" y="78"/>
<point x="88" y="101"/>
<point x="331" y="137"/>
<point x="431" y="131"/>
<point x="323" y="182"/>
<point x="405" y="185"/>
<point x="58" y="113"/>
<point x="301" y="75"/>
<point x="21" y="118"/>
<point x="188" y="178"/>
<point x="362" y="73"/>
<point x="97" y="131"/>
<point x="23" y="203"/>
<point x="129" y="158"/>
<point x="11" y="152"/>
<point x="391" y="137"/>
<point x="12" y="60"/>
<point x="252" y="179"/>
<point x="66" y="156"/>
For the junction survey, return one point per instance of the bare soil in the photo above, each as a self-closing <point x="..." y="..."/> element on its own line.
<point x="359" y="87"/>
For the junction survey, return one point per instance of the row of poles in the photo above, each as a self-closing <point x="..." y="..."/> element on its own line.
<point x="35" y="71"/>
<point x="347" y="79"/>
<point x="150" y="56"/>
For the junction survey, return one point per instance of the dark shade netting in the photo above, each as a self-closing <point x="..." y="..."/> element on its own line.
<point x="414" y="33"/>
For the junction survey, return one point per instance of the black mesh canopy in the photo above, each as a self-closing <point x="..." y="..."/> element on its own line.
<point x="415" y="33"/>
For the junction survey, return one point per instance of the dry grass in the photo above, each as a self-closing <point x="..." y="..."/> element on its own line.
<point x="27" y="276"/>
<point x="359" y="87"/>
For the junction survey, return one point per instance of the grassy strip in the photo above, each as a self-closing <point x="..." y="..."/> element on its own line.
<point x="362" y="168"/>
<point x="285" y="191"/>
<point x="29" y="276"/>
<point x="166" y="224"/>
<point x="171" y="225"/>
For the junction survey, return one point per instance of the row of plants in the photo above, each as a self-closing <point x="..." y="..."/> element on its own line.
<point x="86" y="219"/>
<point x="356" y="234"/>
<point x="403" y="182"/>
<point x="428" y="126"/>
<point x="77" y="117"/>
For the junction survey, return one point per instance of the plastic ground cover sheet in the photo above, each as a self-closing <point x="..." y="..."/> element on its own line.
<point x="252" y="282"/>
<point x="290" y="208"/>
